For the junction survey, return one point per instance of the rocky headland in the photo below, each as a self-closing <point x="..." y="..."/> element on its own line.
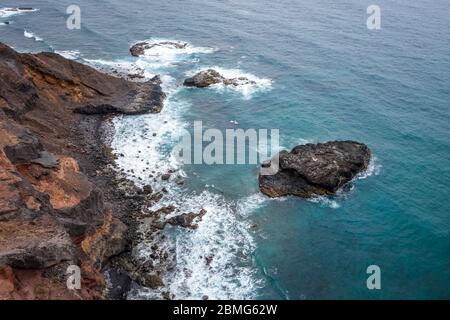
<point x="61" y="201"/>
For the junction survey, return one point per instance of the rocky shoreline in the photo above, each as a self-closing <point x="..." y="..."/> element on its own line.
<point x="61" y="200"/>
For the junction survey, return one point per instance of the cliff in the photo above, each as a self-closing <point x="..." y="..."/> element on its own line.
<point x="56" y="207"/>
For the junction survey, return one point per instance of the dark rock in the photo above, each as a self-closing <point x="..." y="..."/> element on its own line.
<point x="119" y="284"/>
<point x="209" y="77"/>
<point x="139" y="48"/>
<point x="204" y="79"/>
<point x="316" y="169"/>
<point x="186" y="220"/>
<point x="151" y="281"/>
<point x="165" y="176"/>
<point x="147" y="189"/>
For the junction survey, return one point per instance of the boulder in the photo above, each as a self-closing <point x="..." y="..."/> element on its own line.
<point x="316" y="169"/>
<point x="204" y="79"/>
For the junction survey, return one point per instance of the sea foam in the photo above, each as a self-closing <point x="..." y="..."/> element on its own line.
<point x="9" y="12"/>
<point x="246" y="89"/>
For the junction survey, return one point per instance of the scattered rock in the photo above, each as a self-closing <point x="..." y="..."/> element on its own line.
<point x="204" y="79"/>
<point x="186" y="220"/>
<point x="165" y="177"/>
<point x="147" y="189"/>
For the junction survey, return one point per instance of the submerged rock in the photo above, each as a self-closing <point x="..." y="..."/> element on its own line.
<point x="210" y="77"/>
<point x="316" y="169"/>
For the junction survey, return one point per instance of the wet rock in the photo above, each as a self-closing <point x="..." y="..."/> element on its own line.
<point x="139" y="48"/>
<point x="147" y="189"/>
<point x="151" y="281"/>
<point x="209" y="77"/>
<point x="165" y="176"/>
<point x="204" y="79"/>
<point x="316" y="169"/>
<point x="187" y="220"/>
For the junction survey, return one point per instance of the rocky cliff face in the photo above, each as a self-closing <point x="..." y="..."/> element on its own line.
<point x="53" y="211"/>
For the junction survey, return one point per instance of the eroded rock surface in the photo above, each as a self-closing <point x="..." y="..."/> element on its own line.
<point x="316" y="169"/>
<point x="53" y="206"/>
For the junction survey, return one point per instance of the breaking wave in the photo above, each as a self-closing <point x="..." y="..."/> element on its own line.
<point x="246" y="88"/>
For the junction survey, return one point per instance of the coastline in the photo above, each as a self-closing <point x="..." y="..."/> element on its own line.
<point x="58" y="177"/>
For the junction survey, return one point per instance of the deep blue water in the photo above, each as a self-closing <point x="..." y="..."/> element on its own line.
<point x="331" y="78"/>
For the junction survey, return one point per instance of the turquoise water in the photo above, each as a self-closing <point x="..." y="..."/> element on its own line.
<point x="322" y="75"/>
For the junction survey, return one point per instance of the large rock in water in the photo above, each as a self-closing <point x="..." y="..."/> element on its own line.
<point x="209" y="77"/>
<point x="316" y="169"/>
<point x="138" y="49"/>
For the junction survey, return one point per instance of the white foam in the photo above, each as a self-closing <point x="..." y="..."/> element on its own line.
<point x="223" y="236"/>
<point x="164" y="55"/>
<point x="144" y="151"/>
<point x="244" y="87"/>
<point x="9" y="12"/>
<point x="69" y="54"/>
<point x="31" y="35"/>
<point x="146" y="143"/>
<point x="325" y="201"/>
<point x="373" y="169"/>
<point x="125" y="67"/>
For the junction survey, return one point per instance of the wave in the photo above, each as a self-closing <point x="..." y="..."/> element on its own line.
<point x="246" y="88"/>
<point x="31" y="35"/>
<point x="69" y="54"/>
<point x="373" y="169"/>
<point x="9" y="12"/>
<point x="325" y="201"/>
<point x="215" y="260"/>
<point x="164" y="54"/>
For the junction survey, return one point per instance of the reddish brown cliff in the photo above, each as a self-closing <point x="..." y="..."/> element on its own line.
<point x="53" y="211"/>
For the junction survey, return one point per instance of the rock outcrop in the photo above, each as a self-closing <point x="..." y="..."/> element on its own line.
<point x="315" y="169"/>
<point x="210" y="77"/>
<point x="139" y="48"/>
<point x="53" y="211"/>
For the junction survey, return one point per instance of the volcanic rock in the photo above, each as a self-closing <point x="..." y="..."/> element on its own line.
<point x="53" y="210"/>
<point x="209" y="77"/>
<point x="316" y="169"/>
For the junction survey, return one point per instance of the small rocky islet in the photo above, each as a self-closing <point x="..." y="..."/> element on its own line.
<point x="314" y="169"/>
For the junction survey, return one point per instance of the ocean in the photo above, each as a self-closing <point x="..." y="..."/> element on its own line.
<point x="319" y="74"/>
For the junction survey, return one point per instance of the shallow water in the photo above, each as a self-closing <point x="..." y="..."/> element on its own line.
<point x="321" y="75"/>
